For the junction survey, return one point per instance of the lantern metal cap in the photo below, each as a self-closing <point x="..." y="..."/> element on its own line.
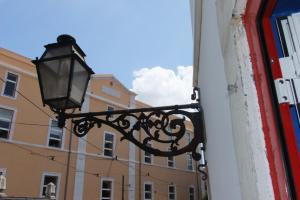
<point x="65" y="38"/>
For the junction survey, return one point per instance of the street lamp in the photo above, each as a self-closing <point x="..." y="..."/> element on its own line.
<point x="63" y="77"/>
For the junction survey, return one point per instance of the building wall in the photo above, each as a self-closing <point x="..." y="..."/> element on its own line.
<point x="235" y="137"/>
<point x="30" y="156"/>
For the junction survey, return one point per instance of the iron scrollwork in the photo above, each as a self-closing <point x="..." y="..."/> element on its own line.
<point x="162" y="125"/>
<point x="158" y="125"/>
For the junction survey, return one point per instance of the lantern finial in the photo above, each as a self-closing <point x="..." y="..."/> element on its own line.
<point x="65" y="38"/>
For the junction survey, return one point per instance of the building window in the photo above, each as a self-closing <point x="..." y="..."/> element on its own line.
<point x="110" y="108"/>
<point x="148" y="191"/>
<point x="171" y="161"/>
<point x="49" y="179"/>
<point x="55" y="135"/>
<point x="10" y="85"/>
<point x="6" y="117"/>
<point x="108" y="144"/>
<point x="189" y="161"/>
<point x="191" y="193"/>
<point x="188" y="137"/>
<point x="189" y="157"/>
<point x="147" y="155"/>
<point x="3" y="171"/>
<point x="106" y="190"/>
<point x="2" y="179"/>
<point x="172" y="192"/>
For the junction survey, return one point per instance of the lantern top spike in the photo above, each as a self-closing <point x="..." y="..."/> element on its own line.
<point x="65" y="38"/>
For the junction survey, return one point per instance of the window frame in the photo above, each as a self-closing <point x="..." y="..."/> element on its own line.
<point x="168" y="149"/>
<point x="3" y="170"/>
<point x="189" y="157"/>
<point x="189" y="160"/>
<point x="13" y="120"/>
<point x="110" y="106"/>
<point x="194" y="192"/>
<point x="113" y="146"/>
<point x="112" y="187"/>
<point x="286" y="43"/>
<point x="62" y="138"/>
<point x="173" y="161"/>
<point x="150" y="156"/>
<point x="113" y="108"/>
<point x="44" y="174"/>
<point x="188" y="136"/>
<point x="16" y="87"/>
<point x="152" y="190"/>
<point x="175" y="192"/>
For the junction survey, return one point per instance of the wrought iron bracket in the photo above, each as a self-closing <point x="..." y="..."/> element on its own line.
<point x="163" y="125"/>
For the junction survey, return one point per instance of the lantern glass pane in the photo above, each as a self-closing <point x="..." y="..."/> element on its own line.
<point x="58" y="51"/>
<point x="79" y="82"/>
<point x="54" y="76"/>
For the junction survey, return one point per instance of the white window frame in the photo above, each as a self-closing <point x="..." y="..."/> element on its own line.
<point x="17" y="85"/>
<point x="286" y="36"/>
<point x="150" y="156"/>
<point x="12" y="127"/>
<point x="62" y="138"/>
<point x="3" y="170"/>
<point x="152" y="190"/>
<point x="174" y="162"/>
<point x="188" y="136"/>
<point x="168" y="149"/>
<point x="113" y="146"/>
<point x="58" y="175"/>
<point x="175" y="192"/>
<point x="112" y="187"/>
<point x="194" y="193"/>
<point x="189" y="158"/>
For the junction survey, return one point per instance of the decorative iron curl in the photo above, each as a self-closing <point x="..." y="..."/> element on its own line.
<point x="84" y="125"/>
<point x="204" y="174"/>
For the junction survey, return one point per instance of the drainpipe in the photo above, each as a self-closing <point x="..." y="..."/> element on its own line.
<point x="68" y="164"/>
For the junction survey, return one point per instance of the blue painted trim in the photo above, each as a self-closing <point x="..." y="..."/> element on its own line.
<point x="296" y="124"/>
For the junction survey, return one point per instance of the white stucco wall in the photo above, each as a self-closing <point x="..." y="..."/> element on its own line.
<point x="236" y="154"/>
<point x="220" y="153"/>
<point x="253" y="167"/>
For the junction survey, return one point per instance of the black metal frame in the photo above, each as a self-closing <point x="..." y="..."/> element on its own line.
<point x="64" y="41"/>
<point x="157" y="123"/>
<point x="72" y="58"/>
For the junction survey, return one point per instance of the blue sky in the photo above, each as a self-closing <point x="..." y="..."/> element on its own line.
<point x="118" y="36"/>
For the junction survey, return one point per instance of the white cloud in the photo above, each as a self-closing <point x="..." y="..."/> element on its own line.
<point x="159" y="86"/>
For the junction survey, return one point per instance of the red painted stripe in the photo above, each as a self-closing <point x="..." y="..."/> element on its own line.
<point x="289" y="132"/>
<point x="265" y="104"/>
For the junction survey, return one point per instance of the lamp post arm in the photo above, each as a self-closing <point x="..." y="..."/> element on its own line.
<point x="179" y="127"/>
<point x="166" y="124"/>
<point x="129" y="111"/>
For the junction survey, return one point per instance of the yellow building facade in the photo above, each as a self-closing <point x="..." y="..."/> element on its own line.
<point x="35" y="152"/>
